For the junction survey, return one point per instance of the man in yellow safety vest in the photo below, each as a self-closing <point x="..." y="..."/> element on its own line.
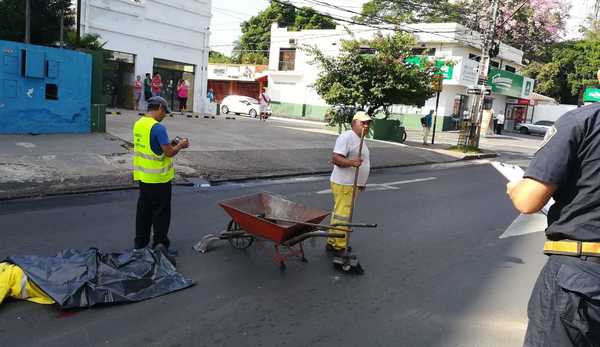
<point x="153" y="168"/>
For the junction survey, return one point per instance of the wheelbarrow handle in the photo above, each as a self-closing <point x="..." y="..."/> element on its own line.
<point x="355" y="225"/>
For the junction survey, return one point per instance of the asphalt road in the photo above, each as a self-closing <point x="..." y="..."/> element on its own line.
<point x="437" y="273"/>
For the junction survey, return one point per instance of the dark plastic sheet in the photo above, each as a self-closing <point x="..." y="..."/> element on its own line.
<point x="86" y="278"/>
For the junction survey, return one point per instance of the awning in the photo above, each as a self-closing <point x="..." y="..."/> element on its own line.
<point x="542" y="99"/>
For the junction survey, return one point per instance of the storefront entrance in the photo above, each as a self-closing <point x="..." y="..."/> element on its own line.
<point x="516" y="112"/>
<point x="171" y="73"/>
<point x="118" y="79"/>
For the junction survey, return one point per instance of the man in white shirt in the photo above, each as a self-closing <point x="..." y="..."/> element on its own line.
<point x="345" y="160"/>
<point x="500" y="124"/>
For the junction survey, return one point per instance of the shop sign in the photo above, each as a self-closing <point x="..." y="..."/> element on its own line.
<point x="591" y="94"/>
<point x="527" y="87"/>
<point x="505" y="83"/>
<point x="468" y="72"/>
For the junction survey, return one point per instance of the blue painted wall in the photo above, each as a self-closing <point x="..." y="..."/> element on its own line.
<point x="44" y="90"/>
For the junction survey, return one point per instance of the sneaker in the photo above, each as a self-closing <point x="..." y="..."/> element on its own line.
<point x="165" y="252"/>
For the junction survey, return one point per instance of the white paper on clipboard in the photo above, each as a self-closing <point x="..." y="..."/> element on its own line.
<point x="514" y="173"/>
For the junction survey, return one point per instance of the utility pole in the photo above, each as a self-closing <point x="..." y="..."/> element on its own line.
<point x="27" y="21"/>
<point x="78" y="37"/>
<point x="62" y="28"/>
<point x="470" y="136"/>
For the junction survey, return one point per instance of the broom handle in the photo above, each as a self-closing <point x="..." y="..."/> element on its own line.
<point x="355" y="185"/>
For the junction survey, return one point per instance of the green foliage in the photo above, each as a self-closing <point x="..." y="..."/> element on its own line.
<point x="253" y="58"/>
<point x="45" y="20"/>
<point x="374" y="79"/>
<point x="409" y="11"/>
<point x="90" y="42"/>
<point x="256" y="31"/>
<point x="573" y="65"/>
<point x="215" y="57"/>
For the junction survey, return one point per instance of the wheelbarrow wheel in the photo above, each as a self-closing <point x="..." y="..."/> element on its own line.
<point x="239" y="242"/>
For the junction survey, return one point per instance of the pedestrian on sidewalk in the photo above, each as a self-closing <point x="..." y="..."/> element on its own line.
<point x="156" y="85"/>
<point x="147" y="87"/>
<point x="500" y="123"/>
<point x="264" y="102"/>
<point x="182" y="95"/>
<point x="426" y="125"/>
<point x="153" y="168"/>
<point x="345" y="160"/>
<point x="137" y="92"/>
<point x="564" y="308"/>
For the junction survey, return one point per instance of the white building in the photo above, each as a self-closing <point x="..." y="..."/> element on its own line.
<point x="170" y="37"/>
<point x="292" y="74"/>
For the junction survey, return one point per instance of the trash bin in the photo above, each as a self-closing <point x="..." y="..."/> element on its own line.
<point x="99" y="118"/>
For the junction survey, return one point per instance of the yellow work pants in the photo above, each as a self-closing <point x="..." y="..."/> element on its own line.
<point x="15" y="284"/>
<point x="342" y="203"/>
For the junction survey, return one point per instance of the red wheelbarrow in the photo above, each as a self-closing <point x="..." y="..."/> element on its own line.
<point x="273" y="218"/>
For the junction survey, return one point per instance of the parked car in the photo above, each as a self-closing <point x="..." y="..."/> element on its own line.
<point x="539" y="127"/>
<point x="239" y="104"/>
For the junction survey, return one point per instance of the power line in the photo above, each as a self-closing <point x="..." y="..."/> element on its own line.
<point x="398" y="27"/>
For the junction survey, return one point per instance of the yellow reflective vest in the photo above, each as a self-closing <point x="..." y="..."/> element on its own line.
<point x="147" y="166"/>
<point x="15" y="284"/>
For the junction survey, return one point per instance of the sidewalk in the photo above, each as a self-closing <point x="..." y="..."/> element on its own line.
<point x="221" y="150"/>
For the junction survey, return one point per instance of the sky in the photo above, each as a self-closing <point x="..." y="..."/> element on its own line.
<point x="228" y="14"/>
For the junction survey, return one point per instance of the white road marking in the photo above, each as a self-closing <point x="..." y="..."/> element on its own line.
<point x="25" y="144"/>
<point x="385" y="186"/>
<point x="526" y="224"/>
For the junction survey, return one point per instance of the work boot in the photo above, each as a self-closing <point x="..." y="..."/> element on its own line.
<point x="165" y="252"/>
<point x="335" y="251"/>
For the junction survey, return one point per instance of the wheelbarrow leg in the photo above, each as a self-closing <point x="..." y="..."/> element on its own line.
<point x="279" y="258"/>
<point x="303" y="259"/>
<point x="204" y="243"/>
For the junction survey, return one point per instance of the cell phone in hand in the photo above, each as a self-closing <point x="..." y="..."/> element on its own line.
<point x="176" y="141"/>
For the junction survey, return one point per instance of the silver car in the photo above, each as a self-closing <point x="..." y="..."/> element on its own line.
<point x="540" y="127"/>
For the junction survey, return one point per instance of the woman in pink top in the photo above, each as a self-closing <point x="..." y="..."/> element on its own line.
<point x="182" y="94"/>
<point x="156" y="85"/>
<point x="137" y="92"/>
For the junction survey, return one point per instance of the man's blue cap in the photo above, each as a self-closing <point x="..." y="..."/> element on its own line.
<point x="159" y="100"/>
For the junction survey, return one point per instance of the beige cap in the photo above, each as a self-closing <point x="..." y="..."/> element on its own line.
<point x="361" y="116"/>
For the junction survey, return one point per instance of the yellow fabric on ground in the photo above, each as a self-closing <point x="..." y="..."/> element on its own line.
<point x="342" y="202"/>
<point x="14" y="284"/>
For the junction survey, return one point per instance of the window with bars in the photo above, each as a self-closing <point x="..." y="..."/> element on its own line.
<point x="287" y="59"/>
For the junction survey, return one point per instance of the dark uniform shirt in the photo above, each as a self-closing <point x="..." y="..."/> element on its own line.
<point x="570" y="159"/>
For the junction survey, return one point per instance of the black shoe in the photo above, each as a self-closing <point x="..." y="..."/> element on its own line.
<point x="165" y="252"/>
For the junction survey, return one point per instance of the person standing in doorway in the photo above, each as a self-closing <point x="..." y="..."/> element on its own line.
<point x="156" y="85"/>
<point x="426" y="125"/>
<point x="147" y="87"/>
<point x="137" y="92"/>
<point x="499" y="123"/>
<point x="264" y="102"/>
<point x="153" y="169"/>
<point x="210" y="95"/>
<point x="182" y="95"/>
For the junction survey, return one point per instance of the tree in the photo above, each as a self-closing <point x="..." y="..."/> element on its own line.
<point x="573" y="66"/>
<point x="45" y="20"/>
<point x="530" y="25"/>
<point x="256" y="31"/>
<point x="375" y="78"/>
<point x="215" y="57"/>
<point x="86" y="41"/>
